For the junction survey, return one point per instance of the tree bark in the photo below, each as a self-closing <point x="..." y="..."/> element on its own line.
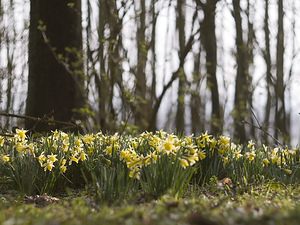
<point x="210" y="46"/>
<point x="241" y="86"/>
<point x="141" y="108"/>
<point x="55" y="82"/>
<point x="268" y="61"/>
<point x="180" y="23"/>
<point x="280" y="114"/>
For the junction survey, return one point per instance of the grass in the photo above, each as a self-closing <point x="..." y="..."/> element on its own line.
<point x="271" y="203"/>
<point x="151" y="178"/>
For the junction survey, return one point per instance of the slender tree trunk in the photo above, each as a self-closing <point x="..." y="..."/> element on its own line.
<point x="268" y="61"/>
<point x="210" y="45"/>
<point x="196" y="103"/>
<point x="101" y="79"/>
<point x="55" y="82"/>
<point x="280" y="114"/>
<point x="152" y="125"/>
<point x="250" y="58"/>
<point x="142" y="106"/>
<point x="180" y="23"/>
<point x="241" y="87"/>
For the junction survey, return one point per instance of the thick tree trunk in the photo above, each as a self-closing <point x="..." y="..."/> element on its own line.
<point x="55" y="82"/>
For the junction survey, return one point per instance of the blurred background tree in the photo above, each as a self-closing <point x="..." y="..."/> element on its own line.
<point x="182" y="65"/>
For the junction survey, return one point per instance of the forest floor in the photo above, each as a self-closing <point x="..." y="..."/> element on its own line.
<point x="271" y="203"/>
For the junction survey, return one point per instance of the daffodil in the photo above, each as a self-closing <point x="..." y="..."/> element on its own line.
<point x="192" y="159"/>
<point x="250" y="156"/>
<point x="2" y="141"/>
<point x="63" y="167"/>
<point x="82" y="156"/>
<point x="266" y="162"/>
<point x="223" y="140"/>
<point x="135" y="173"/>
<point x="20" y="147"/>
<point x="237" y="154"/>
<point x="205" y="137"/>
<point x="52" y="158"/>
<point x="201" y="155"/>
<point x="184" y="163"/>
<point x="88" y="138"/>
<point x="5" y="158"/>
<point x="48" y="165"/>
<point x="73" y="158"/>
<point x="225" y="160"/>
<point x="42" y="158"/>
<point x="21" y="134"/>
<point x="108" y="150"/>
<point x="288" y="171"/>
<point x="251" y="145"/>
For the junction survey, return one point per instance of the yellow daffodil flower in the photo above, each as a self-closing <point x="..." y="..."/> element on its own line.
<point x="5" y="158"/>
<point x="21" y="134"/>
<point x="201" y="155"/>
<point x="52" y="158"/>
<point x="2" y="139"/>
<point x="184" y="163"/>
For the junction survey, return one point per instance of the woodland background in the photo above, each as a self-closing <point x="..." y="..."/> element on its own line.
<point x="185" y="66"/>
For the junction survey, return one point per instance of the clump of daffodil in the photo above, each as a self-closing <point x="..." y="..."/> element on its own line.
<point x="205" y="140"/>
<point x="223" y="144"/>
<point x="63" y="167"/>
<point x="112" y="144"/>
<point x="133" y="162"/>
<point x="275" y="159"/>
<point x="88" y="139"/>
<point x="154" y="141"/>
<point x="190" y="155"/>
<point x="150" y="158"/>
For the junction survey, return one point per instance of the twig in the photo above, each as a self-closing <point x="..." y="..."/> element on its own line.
<point x="38" y="119"/>
<point x="259" y="127"/>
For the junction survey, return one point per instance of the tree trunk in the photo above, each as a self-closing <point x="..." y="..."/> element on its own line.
<point x="241" y="87"/>
<point x="55" y="82"/>
<point x="268" y="61"/>
<point x="180" y="23"/>
<point x="196" y="103"/>
<point x="280" y="114"/>
<point x="141" y="107"/>
<point x="210" y="45"/>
